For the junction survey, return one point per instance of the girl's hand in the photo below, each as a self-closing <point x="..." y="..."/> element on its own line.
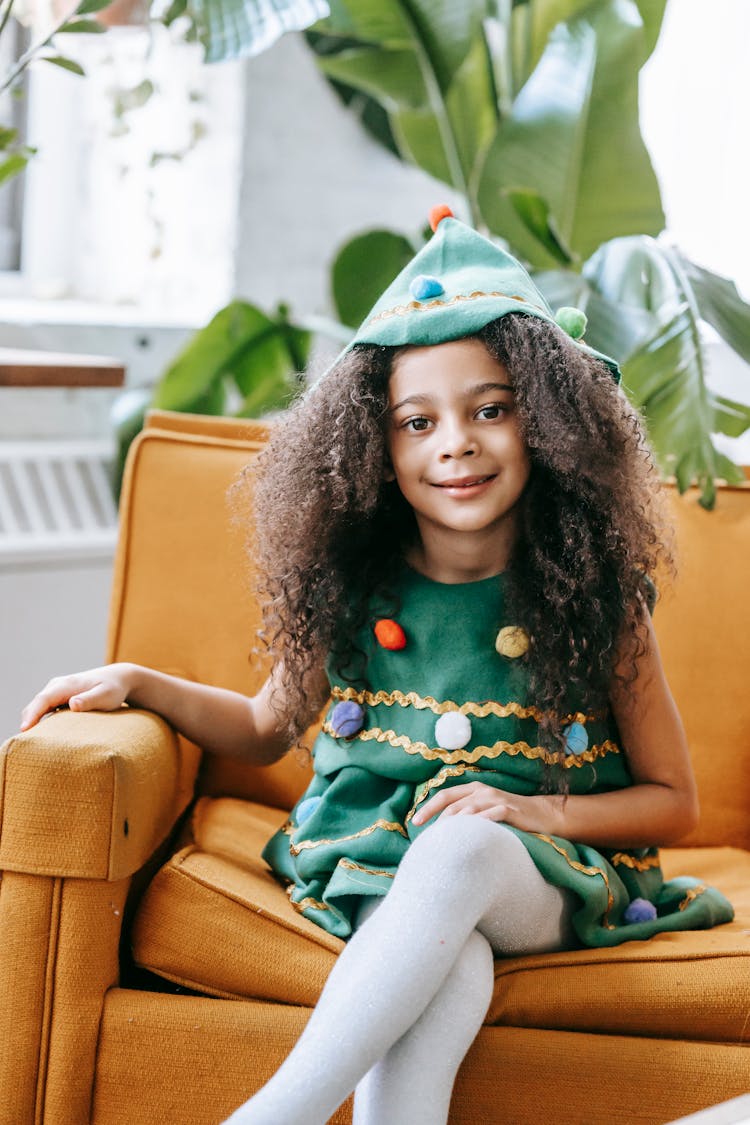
<point x="100" y="689"/>
<point x="478" y="799"/>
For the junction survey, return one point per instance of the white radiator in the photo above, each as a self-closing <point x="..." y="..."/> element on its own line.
<point x="58" y="526"/>
<point x="55" y="500"/>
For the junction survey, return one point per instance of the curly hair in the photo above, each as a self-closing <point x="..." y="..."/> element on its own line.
<point x="330" y="530"/>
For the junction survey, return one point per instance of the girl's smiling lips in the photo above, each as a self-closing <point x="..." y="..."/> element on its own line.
<point x="466" y="486"/>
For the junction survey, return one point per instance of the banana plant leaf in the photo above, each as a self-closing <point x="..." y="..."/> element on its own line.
<point x="643" y="309"/>
<point x="427" y="64"/>
<point x="721" y="305"/>
<point x="532" y="23"/>
<point x="236" y="29"/>
<point x="559" y="141"/>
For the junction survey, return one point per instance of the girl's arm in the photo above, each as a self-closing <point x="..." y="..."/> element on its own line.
<point x="659" y="808"/>
<point x="220" y="721"/>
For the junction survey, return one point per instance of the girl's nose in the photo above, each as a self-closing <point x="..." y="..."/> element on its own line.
<point x="457" y="442"/>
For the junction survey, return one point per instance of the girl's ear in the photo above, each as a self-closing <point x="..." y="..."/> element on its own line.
<point x="388" y="473"/>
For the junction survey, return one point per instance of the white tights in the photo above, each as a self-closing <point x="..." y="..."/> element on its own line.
<point x="412" y="986"/>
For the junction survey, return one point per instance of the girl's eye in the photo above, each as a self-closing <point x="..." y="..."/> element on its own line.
<point x="417" y="424"/>
<point x="492" y="410"/>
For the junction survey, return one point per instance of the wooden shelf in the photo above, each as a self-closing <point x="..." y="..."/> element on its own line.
<point x="22" y="368"/>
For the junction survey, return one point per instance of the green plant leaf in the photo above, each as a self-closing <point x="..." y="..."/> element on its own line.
<point x="663" y="362"/>
<point x="7" y="137"/>
<point x="614" y="328"/>
<point x="665" y="380"/>
<point x="81" y="27"/>
<point x="176" y="9"/>
<point x="448" y="31"/>
<point x="532" y="22"/>
<point x="234" y="29"/>
<point x="534" y="213"/>
<point x="66" y="64"/>
<point x="730" y="418"/>
<point x="373" y="21"/>
<point x="652" y="14"/>
<point x="240" y="344"/>
<point x="363" y="268"/>
<point x="728" y="471"/>
<point x="470" y="102"/>
<point x="87" y="7"/>
<point x="721" y="305"/>
<point x="558" y="141"/>
<point x="11" y="166"/>
<point x="438" y="35"/>
<point x="393" y="77"/>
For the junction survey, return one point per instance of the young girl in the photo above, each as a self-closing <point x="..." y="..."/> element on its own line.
<point x="457" y="532"/>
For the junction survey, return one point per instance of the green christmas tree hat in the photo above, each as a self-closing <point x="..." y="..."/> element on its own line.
<point x="456" y="284"/>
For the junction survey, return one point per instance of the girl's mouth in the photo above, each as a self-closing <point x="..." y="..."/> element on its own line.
<point x="465" y="486"/>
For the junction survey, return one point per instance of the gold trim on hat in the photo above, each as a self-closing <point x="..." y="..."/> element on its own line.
<point x="423" y="306"/>
<point x="450" y="757"/>
<point x="428" y="703"/>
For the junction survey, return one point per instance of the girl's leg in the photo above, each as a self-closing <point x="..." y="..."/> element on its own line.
<point x="463" y="873"/>
<point x="413" y="1082"/>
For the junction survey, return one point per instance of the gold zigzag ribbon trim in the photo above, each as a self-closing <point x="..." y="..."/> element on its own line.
<point x="428" y="703"/>
<point x="306" y="903"/>
<point x="386" y="825"/>
<point x="624" y="859"/>
<point x="438" y="779"/>
<point x="423" y="306"/>
<point x="450" y="757"/>
<point x="584" y="871"/>
<point x="350" y="865"/>
<point x="694" y="892"/>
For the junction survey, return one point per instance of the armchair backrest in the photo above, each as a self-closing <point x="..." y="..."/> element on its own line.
<point x="183" y="602"/>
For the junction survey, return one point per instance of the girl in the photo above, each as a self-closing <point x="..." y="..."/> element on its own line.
<point x="458" y="526"/>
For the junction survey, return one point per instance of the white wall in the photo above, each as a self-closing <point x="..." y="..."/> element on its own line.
<point x="311" y="178"/>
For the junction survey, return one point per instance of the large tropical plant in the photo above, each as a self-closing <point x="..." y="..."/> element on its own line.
<point x="528" y="110"/>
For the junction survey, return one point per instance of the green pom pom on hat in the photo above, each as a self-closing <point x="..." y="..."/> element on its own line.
<point x="454" y="286"/>
<point x="572" y="321"/>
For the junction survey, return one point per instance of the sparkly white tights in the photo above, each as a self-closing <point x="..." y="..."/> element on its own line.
<point x="411" y="988"/>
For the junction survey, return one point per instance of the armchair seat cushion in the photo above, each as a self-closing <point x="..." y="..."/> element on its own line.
<point x="215" y="920"/>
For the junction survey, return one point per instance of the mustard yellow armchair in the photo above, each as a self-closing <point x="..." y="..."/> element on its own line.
<point x="152" y="970"/>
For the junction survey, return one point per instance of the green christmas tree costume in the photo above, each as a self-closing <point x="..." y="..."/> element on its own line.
<point x="452" y="706"/>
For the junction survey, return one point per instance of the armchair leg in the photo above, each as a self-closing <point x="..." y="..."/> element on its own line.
<point x="59" y="944"/>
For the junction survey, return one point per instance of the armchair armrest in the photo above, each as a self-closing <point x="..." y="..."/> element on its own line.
<point x="91" y="795"/>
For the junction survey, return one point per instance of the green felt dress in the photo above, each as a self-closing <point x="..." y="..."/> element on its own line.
<point x="445" y="709"/>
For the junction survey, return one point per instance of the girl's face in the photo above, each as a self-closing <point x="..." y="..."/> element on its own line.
<point x="455" y="446"/>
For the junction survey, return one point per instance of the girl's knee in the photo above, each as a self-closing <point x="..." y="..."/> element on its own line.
<point x="464" y="843"/>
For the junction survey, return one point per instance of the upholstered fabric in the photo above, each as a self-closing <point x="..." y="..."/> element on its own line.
<point x="190" y="1060"/>
<point x="91" y="796"/>
<point x="700" y="621"/>
<point x="695" y="986"/>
